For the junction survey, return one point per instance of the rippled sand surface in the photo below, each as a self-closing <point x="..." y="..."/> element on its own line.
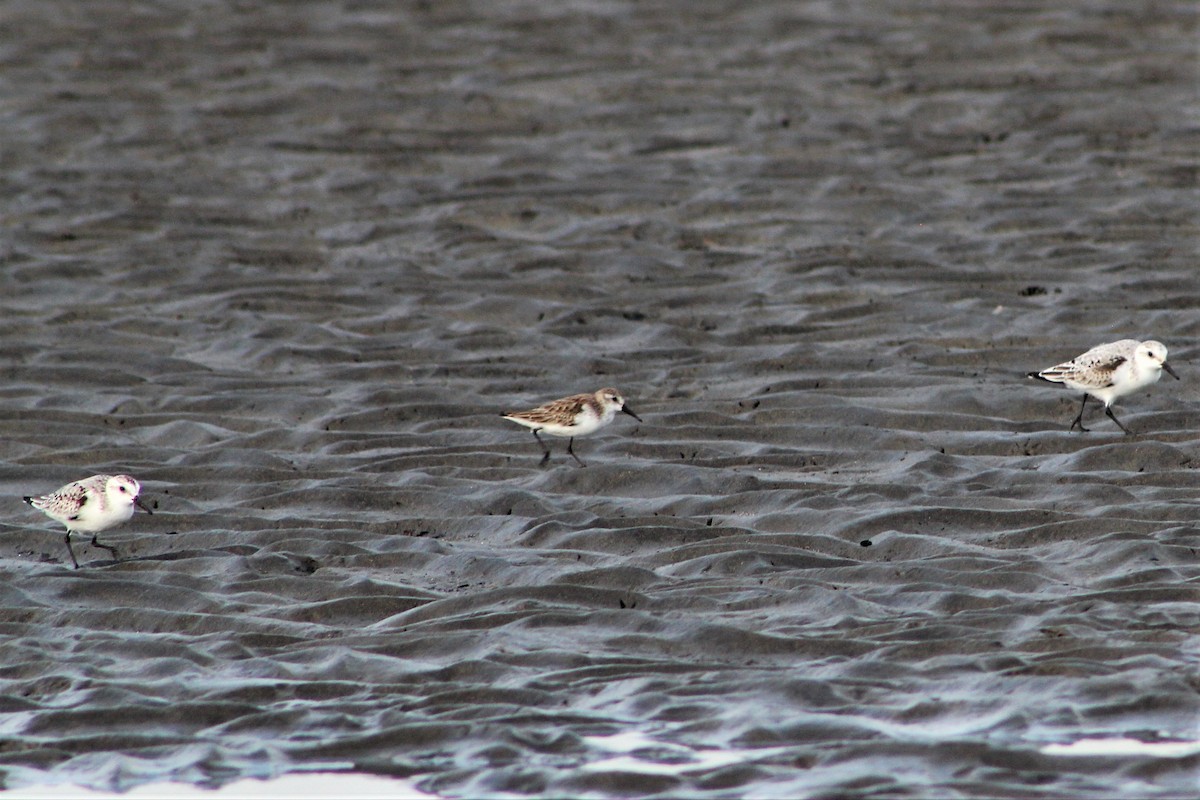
<point x="287" y="263"/>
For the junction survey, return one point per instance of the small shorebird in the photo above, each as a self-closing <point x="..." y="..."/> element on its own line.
<point x="92" y="505"/>
<point x="577" y="415"/>
<point x="1109" y="371"/>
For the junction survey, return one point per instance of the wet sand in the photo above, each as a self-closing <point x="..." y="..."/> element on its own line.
<point x="287" y="264"/>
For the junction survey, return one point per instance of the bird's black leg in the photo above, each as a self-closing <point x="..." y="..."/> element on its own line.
<point x="1108" y="410"/>
<point x="67" y="539"/>
<point x="571" y="450"/>
<point x="109" y="548"/>
<point x="1079" y="419"/>
<point x="545" y="449"/>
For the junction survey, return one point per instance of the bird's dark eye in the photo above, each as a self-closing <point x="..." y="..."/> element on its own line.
<point x="122" y="488"/>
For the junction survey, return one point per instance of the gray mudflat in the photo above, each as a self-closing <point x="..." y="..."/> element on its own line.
<point x="287" y="263"/>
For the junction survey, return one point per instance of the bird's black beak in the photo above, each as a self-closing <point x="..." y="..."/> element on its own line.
<point x="629" y="410"/>
<point x="137" y="501"/>
<point x="1170" y="371"/>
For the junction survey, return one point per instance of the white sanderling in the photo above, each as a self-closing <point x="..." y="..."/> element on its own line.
<point x="577" y="415"/>
<point x="1109" y="371"/>
<point x="92" y="505"/>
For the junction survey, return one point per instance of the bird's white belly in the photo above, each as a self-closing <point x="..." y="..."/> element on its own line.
<point x="583" y="427"/>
